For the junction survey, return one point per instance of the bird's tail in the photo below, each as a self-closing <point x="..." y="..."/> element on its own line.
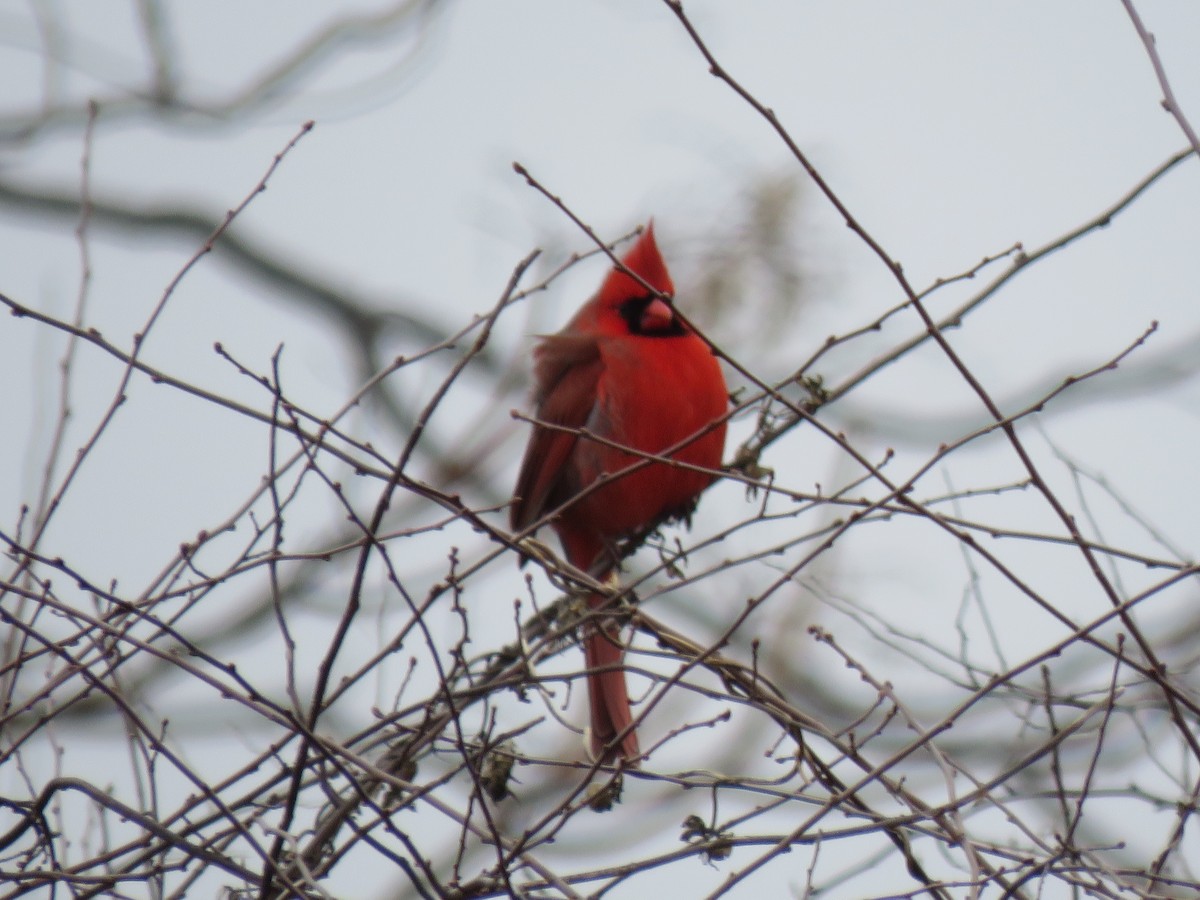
<point x="611" y="716"/>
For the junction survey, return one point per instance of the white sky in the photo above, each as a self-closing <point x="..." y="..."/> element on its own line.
<point x="950" y="130"/>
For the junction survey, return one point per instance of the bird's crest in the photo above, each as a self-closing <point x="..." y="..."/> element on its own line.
<point x="646" y="261"/>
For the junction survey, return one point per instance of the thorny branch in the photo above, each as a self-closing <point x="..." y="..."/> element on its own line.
<point x="402" y="714"/>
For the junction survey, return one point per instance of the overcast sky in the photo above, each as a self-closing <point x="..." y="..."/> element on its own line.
<point x="951" y="131"/>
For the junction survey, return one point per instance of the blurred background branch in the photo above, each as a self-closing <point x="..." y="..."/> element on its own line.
<point x="877" y="665"/>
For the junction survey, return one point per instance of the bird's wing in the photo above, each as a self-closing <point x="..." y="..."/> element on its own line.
<point x="567" y="370"/>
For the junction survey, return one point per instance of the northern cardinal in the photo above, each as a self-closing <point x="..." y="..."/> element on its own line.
<point x="628" y="371"/>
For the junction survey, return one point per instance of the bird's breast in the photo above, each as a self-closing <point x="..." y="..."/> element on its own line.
<point x="655" y="396"/>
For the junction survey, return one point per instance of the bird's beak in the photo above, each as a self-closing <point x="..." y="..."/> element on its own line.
<point x="657" y="316"/>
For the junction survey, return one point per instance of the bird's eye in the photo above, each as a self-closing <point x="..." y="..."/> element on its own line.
<point x="651" y="316"/>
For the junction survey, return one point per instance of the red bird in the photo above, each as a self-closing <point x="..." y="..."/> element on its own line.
<point x="628" y="371"/>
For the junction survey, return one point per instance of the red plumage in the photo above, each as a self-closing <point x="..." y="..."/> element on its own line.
<point x="627" y="370"/>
